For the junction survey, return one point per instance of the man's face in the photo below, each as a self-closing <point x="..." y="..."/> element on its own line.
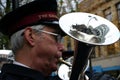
<point x="47" y="51"/>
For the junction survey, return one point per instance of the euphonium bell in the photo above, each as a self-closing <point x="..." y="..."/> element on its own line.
<point x="88" y="30"/>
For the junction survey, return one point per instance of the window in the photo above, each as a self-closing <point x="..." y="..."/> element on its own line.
<point x="108" y="14"/>
<point x="118" y="11"/>
<point x="69" y="47"/>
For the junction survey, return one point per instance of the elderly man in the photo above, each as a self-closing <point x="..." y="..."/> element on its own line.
<point x="35" y="40"/>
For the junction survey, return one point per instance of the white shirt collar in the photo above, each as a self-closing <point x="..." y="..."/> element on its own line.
<point x="20" y="64"/>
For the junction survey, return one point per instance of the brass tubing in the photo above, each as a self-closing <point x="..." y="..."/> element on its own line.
<point x="64" y="62"/>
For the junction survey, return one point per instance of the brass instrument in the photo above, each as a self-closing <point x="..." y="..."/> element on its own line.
<point x="89" y="31"/>
<point x="65" y="68"/>
<point x="64" y="62"/>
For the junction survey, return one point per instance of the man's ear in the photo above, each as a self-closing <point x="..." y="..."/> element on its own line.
<point x="29" y="36"/>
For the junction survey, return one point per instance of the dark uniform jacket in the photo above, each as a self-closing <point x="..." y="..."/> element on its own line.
<point x="16" y="72"/>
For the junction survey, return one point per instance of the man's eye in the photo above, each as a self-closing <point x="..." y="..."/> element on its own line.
<point x="55" y="37"/>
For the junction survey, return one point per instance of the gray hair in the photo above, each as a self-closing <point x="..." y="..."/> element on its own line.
<point x="17" y="40"/>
